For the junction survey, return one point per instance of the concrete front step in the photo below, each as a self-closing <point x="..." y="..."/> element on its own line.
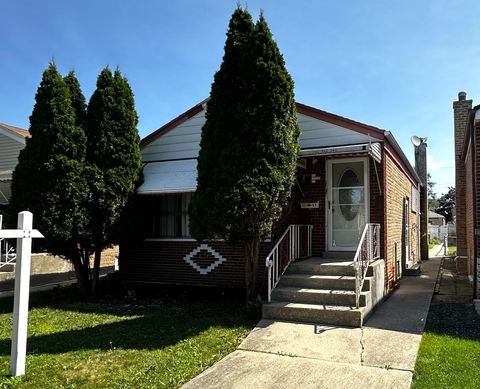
<point x="318" y="296"/>
<point x="325" y="267"/>
<point x="8" y="267"/>
<point x="314" y="313"/>
<point x="313" y="281"/>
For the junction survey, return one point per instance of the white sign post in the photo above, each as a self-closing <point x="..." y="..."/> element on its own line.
<point x="24" y="235"/>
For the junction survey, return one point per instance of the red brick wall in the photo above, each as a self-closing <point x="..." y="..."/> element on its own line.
<point x="377" y="199"/>
<point x="294" y="214"/>
<point x="460" y="116"/>
<point x="398" y="186"/>
<point x="465" y="265"/>
<point x="163" y="262"/>
<point x="474" y="261"/>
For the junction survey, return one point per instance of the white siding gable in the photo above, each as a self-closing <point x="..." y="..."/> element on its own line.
<point x="183" y="141"/>
<point x="9" y="150"/>
<point x="318" y="133"/>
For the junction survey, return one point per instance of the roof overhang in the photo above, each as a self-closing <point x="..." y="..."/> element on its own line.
<point x="403" y="163"/>
<point x="373" y="149"/>
<point x="5" y="175"/>
<point x="169" y="177"/>
<point x="16" y="135"/>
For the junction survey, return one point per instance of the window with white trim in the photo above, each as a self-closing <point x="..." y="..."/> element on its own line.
<point x="415" y="200"/>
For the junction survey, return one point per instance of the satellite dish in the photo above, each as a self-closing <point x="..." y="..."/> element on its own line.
<point x="416" y="140"/>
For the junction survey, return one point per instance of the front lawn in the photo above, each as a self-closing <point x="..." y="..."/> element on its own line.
<point x="159" y="342"/>
<point x="449" y="355"/>
<point x="447" y="362"/>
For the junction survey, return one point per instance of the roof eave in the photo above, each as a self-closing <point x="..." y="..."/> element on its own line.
<point x="393" y="142"/>
<point x="15" y="135"/>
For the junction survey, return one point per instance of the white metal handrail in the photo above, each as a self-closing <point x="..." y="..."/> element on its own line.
<point x="368" y="250"/>
<point x="295" y="243"/>
<point x="7" y="252"/>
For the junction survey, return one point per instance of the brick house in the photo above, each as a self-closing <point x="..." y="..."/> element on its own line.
<point x="467" y="184"/>
<point x="12" y="140"/>
<point x="348" y="174"/>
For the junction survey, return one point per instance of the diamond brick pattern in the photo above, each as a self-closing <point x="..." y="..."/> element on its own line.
<point x="204" y="259"/>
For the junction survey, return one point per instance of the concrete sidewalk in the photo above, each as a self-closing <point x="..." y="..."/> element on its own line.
<point x="382" y="354"/>
<point x="436" y="251"/>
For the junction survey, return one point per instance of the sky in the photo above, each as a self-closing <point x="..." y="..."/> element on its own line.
<point x="397" y="64"/>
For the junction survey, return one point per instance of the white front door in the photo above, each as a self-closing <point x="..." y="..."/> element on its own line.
<point x="347" y="202"/>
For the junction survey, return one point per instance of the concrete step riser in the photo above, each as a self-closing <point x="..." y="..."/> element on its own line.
<point x="306" y="315"/>
<point x="324" y="269"/>
<point x="322" y="283"/>
<point x="9" y="267"/>
<point x="317" y="298"/>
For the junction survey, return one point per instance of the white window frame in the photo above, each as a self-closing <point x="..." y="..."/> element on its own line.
<point x="415" y="203"/>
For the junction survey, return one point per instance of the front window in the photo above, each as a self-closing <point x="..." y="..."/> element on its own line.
<point x="167" y="216"/>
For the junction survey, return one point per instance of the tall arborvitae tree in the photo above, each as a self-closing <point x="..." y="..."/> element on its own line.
<point x="48" y="180"/>
<point x="113" y="157"/>
<point x="85" y="242"/>
<point x="249" y="143"/>
<point x="78" y="100"/>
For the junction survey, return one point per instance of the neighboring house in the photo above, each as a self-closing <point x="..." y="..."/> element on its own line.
<point x="467" y="188"/>
<point x="436" y="219"/>
<point x="348" y="174"/>
<point x="12" y="140"/>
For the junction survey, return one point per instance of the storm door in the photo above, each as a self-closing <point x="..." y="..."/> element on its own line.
<point x="347" y="202"/>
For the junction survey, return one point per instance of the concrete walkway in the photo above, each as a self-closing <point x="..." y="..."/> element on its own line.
<point x="436" y="251"/>
<point x="382" y="354"/>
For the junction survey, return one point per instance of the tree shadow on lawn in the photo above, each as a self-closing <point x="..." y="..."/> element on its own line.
<point x="152" y="331"/>
<point x="168" y="314"/>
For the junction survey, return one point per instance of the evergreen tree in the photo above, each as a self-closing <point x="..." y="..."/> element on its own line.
<point x="48" y="179"/>
<point x="113" y="158"/>
<point x="78" y="100"/>
<point x="249" y="143"/>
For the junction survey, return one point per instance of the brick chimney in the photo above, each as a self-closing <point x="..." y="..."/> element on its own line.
<point x="461" y="110"/>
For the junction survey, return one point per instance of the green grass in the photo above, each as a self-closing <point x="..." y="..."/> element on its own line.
<point x="155" y="343"/>
<point x="446" y="362"/>
<point x="433" y="242"/>
<point x="452" y="250"/>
